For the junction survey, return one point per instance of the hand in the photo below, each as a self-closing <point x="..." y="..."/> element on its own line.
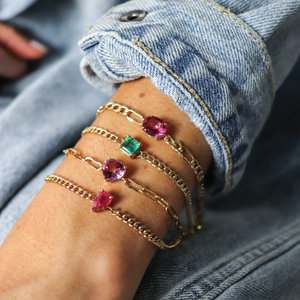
<point x="15" y="50"/>
<point x="58" y="249"/>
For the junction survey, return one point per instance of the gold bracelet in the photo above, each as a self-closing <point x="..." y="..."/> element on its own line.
<point x="119" y="170"/>
<point x="157" y="128"/>
<point x="126" y="218"/>
<point x="132" y="147"/>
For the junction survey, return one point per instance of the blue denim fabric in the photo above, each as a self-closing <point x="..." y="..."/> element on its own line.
<point x="10" y="8"/>
<point x="249" y="246"/>
<point x="214" y="64"/>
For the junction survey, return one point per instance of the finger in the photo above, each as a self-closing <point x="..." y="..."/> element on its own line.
<point x="19" y="45"/>
<point x="11" y="67"/>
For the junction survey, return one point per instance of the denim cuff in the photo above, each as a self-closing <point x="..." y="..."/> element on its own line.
<point x="213" y="65"/>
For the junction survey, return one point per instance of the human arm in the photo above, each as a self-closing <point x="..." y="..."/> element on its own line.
<point x="89" y="255"/>
<point x="184" y="98"/>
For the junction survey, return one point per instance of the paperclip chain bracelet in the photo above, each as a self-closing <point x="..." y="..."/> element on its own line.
<point x="126" y="218"/>
<point x="132" y="144"/>
<point x="157" y="128"/>
<point x="118" y="173"/>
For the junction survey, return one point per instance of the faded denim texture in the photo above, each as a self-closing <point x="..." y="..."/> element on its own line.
<point x="249" y="245"/>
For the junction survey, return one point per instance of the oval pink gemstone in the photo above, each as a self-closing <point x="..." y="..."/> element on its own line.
<point x="101" y="200"/>
<point x="155" y="127"/>
<point x="113" y="170"/>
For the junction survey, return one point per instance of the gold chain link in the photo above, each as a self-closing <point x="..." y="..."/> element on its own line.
<point x="198" y="171"/>
<point x="177" y="180"/>
<point x="123" y="110"/>
<point x="126" y="218"/>
<point x="104" y="133"/>
<point x="88" y="160"/>
<point x="71" y="186"/>
<point x="151" y="237"/>
<point x="153" y="196"/>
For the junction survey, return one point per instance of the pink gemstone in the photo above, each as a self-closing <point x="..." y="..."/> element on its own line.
<point x="155" y="127"/>
<point x="101" y="200"/>
<point x="113" y="169"/>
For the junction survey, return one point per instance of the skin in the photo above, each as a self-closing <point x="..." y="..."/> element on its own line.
<point x="15" y="50"/>
<point x="59" y="249"/>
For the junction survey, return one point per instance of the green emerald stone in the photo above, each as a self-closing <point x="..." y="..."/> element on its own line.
<point x="130" y="146"/>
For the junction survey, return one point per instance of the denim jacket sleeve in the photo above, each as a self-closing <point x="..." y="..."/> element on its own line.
<point x="221" y="62"/>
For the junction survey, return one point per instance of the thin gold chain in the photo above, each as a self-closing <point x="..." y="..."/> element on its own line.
<point x="104" y="133"/>
<point x="133" y="185"/>
<point x="156" y="163"/>
<point x="123" y="110"/>
<point x="153" y="196"/>
<point x="176" y="178"/>
<point x="126" y="218"/>
<point x="96" y="165"/>
<point x="176" y="145"/>
<point x="198" y="171"/>
<point x="71" y="186"/>
<point x="151" y="237"/>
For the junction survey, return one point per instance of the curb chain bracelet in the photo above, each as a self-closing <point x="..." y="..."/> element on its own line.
<point x="126" y="218"/>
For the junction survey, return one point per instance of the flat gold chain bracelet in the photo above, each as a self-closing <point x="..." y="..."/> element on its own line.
<point x="131" y="147"/>
<point x="156" y="128"/>
<point x="119" y="170"/>
<point x="126" y="218"/>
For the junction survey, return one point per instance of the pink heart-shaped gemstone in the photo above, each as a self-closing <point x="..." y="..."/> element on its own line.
<point x="113" y="170"/>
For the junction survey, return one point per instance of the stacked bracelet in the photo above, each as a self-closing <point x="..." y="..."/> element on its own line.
<point x="98" y="206"/>
<point x="132" y="149"/>
<point x="114" y="170"/>
<point x="157" y="128"/>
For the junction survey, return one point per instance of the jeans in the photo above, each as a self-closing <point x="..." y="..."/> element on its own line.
<point x="222" y="68"/>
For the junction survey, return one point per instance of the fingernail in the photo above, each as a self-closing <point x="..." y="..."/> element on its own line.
<point x="38" y="46"/>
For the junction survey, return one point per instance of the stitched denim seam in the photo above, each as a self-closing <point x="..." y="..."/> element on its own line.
<point x="194" y="283"/>
<point x="232" y="274"/>
<point x="227" y="13"/>
<point x="243" y="254"/>
<point x="193" y="92"/>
